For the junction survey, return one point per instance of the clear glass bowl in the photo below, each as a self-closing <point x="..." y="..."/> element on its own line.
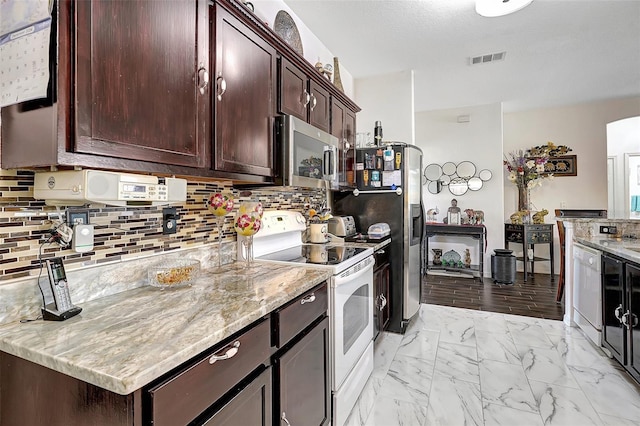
<point x="174" y="273"/>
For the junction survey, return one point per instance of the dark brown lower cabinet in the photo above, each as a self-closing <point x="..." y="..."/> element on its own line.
<point x="302" y="380"/>
<point x="382" y="291"/>
<point x="31" y="394"/>
<point x="250" y="406"/>
<point x="244" y="380"/>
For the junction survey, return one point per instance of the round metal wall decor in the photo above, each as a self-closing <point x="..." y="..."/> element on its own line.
<point x="460" y="177"/>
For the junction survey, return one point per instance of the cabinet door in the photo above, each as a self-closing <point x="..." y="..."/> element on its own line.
<point x="377" y="302"/>
<point x="244" y="105"/>
<point x="137" y="77"/>
<point x="319" y="107"/>
<point x="385" y="303"/>
<point x="294" y="95"/>
<point x="633" y="289"/>
<point x="343" y="125"/>
<point x="614" y="306"/>
<point x="303" y="375"/>
<point x="250" y="406"/>
<point x="350" y="147"/>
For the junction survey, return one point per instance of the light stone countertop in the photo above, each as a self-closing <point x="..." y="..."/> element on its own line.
<point x="621" y="247"/>
<point x="124" y="341"/>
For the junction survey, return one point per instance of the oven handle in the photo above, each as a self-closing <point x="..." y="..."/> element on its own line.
<point x="344" y="278"/>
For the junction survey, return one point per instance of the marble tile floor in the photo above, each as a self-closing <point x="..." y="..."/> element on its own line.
<point x="456" y="366"/>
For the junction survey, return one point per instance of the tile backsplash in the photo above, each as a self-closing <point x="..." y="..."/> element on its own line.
<point x="121" y="233"/>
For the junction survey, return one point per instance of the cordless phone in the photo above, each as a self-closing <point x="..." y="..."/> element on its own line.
<point x="60" y="308"/>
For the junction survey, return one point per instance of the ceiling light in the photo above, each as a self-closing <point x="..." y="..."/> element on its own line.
<point x="493" y="8"/>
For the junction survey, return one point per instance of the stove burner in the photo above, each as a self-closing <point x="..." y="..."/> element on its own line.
<point x="319" y="254"/>
<point x="364" y="238"/>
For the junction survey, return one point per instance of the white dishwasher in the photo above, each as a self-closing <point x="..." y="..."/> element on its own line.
<point x="587" y="291"/>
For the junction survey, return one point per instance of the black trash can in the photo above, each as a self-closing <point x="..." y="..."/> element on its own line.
<point x="503" y="266"/>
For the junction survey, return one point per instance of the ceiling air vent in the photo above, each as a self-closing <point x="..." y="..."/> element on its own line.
<point x="491" y="57"/>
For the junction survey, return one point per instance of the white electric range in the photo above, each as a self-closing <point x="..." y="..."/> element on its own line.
<point x="350" y="299"/>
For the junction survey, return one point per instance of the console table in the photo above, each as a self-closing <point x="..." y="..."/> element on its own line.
<point x="477" y="232"/>
<point x="528" y="236"/>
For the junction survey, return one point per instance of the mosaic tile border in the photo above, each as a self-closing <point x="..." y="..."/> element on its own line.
<point x="121" y="233"/>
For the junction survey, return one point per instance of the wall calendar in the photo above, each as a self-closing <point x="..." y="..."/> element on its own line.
<point x="25" y="30"/>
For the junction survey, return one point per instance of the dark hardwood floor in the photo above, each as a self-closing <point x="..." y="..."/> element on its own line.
<point x="535" y="298"/>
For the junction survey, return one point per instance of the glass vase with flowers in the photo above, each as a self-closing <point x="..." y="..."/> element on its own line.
<point x="247" y="223"/>
<point x="220" y="204"/>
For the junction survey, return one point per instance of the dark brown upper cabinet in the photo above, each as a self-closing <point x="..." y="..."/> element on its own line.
<point x="303" y="97"/>
<point x="128" y="90"/>
<point x="139" y="80"/>
<point x="343" y="126"/>
<point x="182" y="87"/>
<point x="244" y="98"/>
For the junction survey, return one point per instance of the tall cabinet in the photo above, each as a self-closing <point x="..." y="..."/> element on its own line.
<point x="244" y="98"/>
<point x="127" y="91"/>
<point x="343" y="126"/>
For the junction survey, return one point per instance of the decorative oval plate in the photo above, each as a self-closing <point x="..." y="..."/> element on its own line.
<point x="286" y="28"/>
<point x="451" y="256"/>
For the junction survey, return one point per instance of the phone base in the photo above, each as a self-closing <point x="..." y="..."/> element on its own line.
<point x="54" y="315"/>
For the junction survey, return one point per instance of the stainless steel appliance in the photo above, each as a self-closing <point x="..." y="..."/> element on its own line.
<point x="309" y="155"/>
<point x="342" y="226"/>
<point x="389" y="190"/>
<point x="587" y="291"/>
<point x="350" y="300"/>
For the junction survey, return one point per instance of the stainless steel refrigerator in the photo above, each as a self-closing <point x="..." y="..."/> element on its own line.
<point x="389" y="190"/>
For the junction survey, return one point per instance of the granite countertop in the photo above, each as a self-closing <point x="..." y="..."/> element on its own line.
<point x="628" y="249"/>
<point x="124" y="341"/>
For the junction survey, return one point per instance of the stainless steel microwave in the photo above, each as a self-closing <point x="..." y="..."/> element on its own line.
<point x="309" y="155"/>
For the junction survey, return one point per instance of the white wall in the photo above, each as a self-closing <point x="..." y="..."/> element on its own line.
<point x="443" y="139"/>
<point x="623" y="137"/>
<point x="387" y="98"/>
<point x="312" y="47"/>
<point x="582" y="127"/>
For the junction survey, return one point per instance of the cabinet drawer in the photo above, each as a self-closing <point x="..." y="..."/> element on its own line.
<point x="183" y="397"/>
<point x="300" y="313"/>
<point x="382" y="257"/>
<point x="535" y="237"/>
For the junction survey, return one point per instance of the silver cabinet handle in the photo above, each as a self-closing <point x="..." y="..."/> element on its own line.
<point x="384" y="302"/>
<point x="305" y="98"/>
<point x="381" y="251"/>
<point x="624" y="320"/>
<point x="222" y="86"/>
<point x="229" y="353"/>
<point x="314" y="101"/>
<point x="203" y="78"/>
<point x="284" y="418"/>
<point x="310" y="298"/>
<point x="617" y="313"/>
<point x="347" y="145"/>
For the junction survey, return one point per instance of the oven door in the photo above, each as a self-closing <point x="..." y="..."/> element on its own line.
<point x="351" y="318"/>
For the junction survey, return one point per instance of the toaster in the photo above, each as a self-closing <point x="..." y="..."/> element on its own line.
<point x="342" y="226"/>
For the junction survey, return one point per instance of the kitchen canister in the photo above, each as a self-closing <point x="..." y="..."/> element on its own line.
<point x="503" y="266"/>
